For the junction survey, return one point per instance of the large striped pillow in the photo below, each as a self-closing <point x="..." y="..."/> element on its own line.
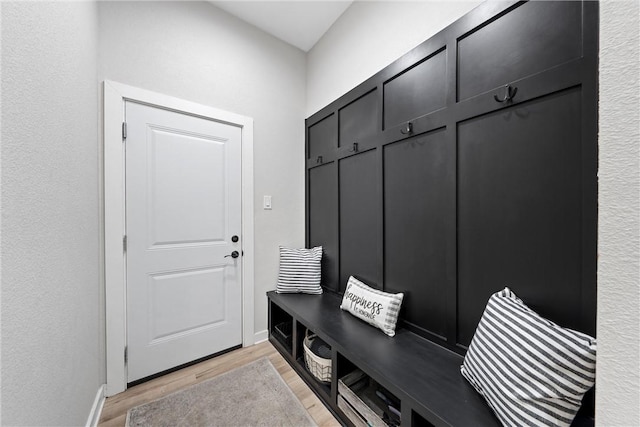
<point x="299" y="270"/>
<point x="530" y="370"/>
<point x="375" y="307"/>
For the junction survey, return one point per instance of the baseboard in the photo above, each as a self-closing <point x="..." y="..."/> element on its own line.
<point x="96" y="409"/>
<point x="261" y="336"/>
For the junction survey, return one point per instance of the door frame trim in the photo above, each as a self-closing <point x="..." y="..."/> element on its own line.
<point x="113" y="192"/>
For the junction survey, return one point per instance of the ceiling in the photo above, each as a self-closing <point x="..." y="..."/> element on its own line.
<point x="300" y="23"/>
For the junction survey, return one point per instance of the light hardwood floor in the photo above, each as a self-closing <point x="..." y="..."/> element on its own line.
<point x="115" y="408"/>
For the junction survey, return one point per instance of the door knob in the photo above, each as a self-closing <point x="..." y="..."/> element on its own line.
<point x="233" y="254"/>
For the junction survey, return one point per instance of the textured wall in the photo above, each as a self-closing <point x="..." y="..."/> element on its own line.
<point x="369" y="36"/>
<point x="618" y="379"/>
<point x="195" y="51"/>
<point x="52" y="337"/>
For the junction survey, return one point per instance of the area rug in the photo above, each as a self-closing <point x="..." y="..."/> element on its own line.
<point x="252" y="395"/>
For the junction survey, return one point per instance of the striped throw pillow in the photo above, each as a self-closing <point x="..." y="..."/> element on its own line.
<point x="375" y="307"/>
<point x="530" y="370"/>
<point x="299" y="270"/>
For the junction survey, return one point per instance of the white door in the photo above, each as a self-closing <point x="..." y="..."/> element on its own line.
<point x="183" y="221"/>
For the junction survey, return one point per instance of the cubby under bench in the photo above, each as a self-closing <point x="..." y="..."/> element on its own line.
<point x="424" y="377"/>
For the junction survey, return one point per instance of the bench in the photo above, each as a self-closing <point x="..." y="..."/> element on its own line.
<point x="425" y="377"/>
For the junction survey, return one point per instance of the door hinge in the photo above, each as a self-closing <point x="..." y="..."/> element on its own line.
<point x="124" y="243"/>
<point x="124" y="130"/>
<point x="126" y="355"/>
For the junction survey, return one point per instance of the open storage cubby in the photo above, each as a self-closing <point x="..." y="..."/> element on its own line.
<point x="363" y="401"/>
<point x="313" y="364"/>
<point x="418" y="421"/>
<point x="281" y="327"/>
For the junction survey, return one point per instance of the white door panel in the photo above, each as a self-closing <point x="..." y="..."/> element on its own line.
<point x="183" y="195"/>
<point x="186" y="206"/>
<point x="198" y="304"/>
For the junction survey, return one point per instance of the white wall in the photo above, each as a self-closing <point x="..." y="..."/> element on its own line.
<point x="52" y="335"/>
<point x="618" y="330"/>
<point x="195" y="51"/>
<point x="369" y="36"/>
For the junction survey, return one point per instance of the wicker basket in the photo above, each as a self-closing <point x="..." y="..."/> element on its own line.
<point x="319" y="367"/>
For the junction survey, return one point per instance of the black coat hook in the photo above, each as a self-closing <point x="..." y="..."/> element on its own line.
<point x="508" y="94"/>
<point x="408" y="129"/>
<point x="354" y="149"/>
<point x="319" y="159"/>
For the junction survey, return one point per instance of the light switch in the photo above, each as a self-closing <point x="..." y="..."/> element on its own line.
<point x="267" y="202"/>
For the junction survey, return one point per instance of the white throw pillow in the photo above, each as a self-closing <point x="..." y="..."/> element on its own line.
<point x="378" y="308"/>
<point x="300" y="270"/>
<point x="530" y="370"/>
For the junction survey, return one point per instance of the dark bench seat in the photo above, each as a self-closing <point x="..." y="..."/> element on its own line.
<point x="424" y="376"/>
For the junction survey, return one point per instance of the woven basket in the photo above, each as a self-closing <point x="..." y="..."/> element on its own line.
<point x="319" y="367"/>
